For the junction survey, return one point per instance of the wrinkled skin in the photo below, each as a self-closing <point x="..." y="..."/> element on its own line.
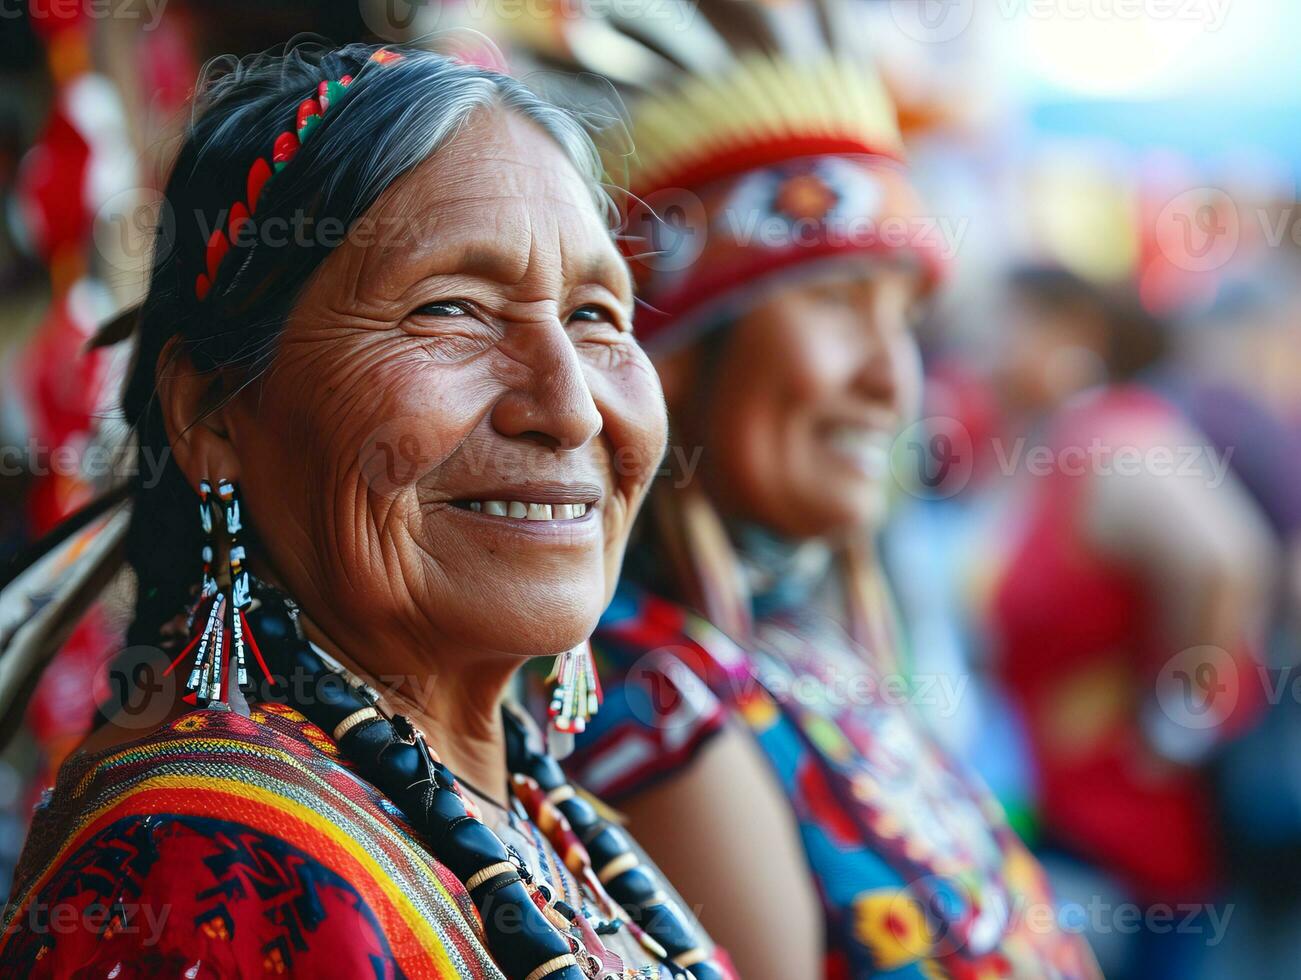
<point x="485" y="354"/>
<point x="835" y="352"/>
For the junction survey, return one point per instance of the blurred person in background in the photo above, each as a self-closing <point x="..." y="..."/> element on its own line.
<point x="1128" y="613"/>
<point x="759" y="729"/>
<point x="1257" y="777"/>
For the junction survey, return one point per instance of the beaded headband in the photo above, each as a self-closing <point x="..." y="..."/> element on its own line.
<point x="286" y="146"/>
<point x="759" y="145"/>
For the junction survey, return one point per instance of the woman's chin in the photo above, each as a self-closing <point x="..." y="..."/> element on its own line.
<point x="540" y="627"/>
<point x="836" y="515"/>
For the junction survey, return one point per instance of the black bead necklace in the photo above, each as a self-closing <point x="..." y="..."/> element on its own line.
<point x="393" y="755"/>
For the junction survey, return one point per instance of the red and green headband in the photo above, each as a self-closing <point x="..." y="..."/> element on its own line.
<point x="285" y="147"/>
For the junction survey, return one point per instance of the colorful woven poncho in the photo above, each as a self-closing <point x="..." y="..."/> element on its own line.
<point x="223" y="845"/>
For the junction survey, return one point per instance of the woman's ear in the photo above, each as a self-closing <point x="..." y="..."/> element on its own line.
<point x="194" y="417"/>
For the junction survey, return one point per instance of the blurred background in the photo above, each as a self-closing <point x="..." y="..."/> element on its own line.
<point x="1115" y="185"/>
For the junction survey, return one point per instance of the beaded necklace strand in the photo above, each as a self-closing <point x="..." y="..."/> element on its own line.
<point x="526" y="927"/>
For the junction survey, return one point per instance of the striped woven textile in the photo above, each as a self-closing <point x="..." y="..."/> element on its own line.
<point x="222" y="845"/>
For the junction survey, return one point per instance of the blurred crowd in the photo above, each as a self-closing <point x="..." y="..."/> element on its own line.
<point x="1095" y="536"/>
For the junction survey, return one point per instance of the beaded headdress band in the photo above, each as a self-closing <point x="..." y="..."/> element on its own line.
<point x="286" y="146"/>
<point x="762" y="145"/>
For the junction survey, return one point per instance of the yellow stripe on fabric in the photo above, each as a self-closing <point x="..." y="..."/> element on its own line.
<point x="156" y="750"/>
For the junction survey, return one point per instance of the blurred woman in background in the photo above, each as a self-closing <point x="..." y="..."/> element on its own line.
<point x="758" y="729"/>
<point x="1128" y="613"/>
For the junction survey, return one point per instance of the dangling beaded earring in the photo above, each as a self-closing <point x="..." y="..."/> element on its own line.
<point x="575" y="698"/>
<point x="223" y="635"/>
<point x="241" y="593"/>
<point x="205" y="521"/>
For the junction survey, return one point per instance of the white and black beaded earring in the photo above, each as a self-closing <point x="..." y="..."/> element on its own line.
<point x="220" y="639"/>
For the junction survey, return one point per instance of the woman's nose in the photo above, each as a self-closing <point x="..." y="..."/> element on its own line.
<point x="551" y="403"/>
<point x="875" y="370"/>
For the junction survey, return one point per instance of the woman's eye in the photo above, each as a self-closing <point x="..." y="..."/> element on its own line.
<point x="444" y="308"/>
<point x="592" y="314"/>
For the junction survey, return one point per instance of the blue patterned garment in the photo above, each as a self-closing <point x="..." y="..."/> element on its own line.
<point x="919" y="874"/>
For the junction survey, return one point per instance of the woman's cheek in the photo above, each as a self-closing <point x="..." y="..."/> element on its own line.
<point x="406" y="421"/>
<point x="631" y="402"/>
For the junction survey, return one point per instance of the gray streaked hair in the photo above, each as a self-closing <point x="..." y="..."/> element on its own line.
<point x="391" y="118"/>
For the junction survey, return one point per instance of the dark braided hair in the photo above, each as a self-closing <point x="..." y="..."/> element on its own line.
<point x="391" y="117"/>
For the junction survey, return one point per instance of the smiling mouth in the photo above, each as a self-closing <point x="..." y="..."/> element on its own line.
<point x="524" y="510"/>
<point x="868" y="449"/>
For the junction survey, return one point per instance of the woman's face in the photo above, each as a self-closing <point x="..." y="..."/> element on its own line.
<point x="458" y="426"/>
<point x="809" y="391"/>
<point x="1047" y="355"/>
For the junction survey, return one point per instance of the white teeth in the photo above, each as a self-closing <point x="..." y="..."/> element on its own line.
<point x="868" y="449"/>
<point x="528" y="511"/>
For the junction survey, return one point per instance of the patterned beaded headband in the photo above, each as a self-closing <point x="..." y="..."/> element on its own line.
<point x="286" y="146"/>
<point x="759" y="145"/>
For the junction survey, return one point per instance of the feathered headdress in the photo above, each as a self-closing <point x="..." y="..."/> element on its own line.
<point x="761" y="141"/>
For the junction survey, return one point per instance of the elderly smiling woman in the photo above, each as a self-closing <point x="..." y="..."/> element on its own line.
<point x="392" y="480"/>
